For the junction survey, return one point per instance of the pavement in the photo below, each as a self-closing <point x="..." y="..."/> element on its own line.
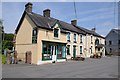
<point x="106" y="67"/>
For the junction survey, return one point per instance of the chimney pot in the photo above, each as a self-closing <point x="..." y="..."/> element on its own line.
<point x="93" y="29"/>
<point x="46" y="13"/>
<point x="28" y="7"/>
<point x="74" y="22"/>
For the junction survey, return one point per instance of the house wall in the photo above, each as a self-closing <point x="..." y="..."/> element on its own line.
<point x="112" y="36"/>
<point x="86" y="45"/>
<point x="47" y="35"/>
<point x="24" y="40"/>
<point x="77" y="44"/>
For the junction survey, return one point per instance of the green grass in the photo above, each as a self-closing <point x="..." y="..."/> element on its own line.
<point x="3" y="58"/>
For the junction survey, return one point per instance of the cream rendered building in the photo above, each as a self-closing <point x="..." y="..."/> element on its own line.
<point x="51" y="40"/>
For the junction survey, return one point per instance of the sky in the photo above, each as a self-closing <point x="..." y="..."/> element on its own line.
<point x="100" y="15"/>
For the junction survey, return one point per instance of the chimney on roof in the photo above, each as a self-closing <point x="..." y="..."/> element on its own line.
<point x="46" y="13"/>
<point x="93" y="29"/>
<point x="28" y="7"/>
<point x="74" y="22"/>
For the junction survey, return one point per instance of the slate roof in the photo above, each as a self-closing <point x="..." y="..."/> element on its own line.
<point x="48" y="22"/>
<point x="117" y="31"/>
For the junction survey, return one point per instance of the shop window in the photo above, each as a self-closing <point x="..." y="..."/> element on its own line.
<point x="47" y="51"/>
<point x="61" y="51"/>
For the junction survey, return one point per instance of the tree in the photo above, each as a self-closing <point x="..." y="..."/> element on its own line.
<point x="8" y="41"/>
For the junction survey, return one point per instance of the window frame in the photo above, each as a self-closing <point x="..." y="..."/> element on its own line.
<point x="75" y="38"/>
<point x="81" y="38"/>
<point x="91" y="39"/>
<point x="68" y="49"/>
<point x="119" y="42"/>
<point x="34" y="36"/>
<point x="57" y="33"/>
<point x="68" y="37"/>
<point x="110" y="42"/>
<point x="81" y="51"/>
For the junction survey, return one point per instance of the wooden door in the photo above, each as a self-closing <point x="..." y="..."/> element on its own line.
<point x="28" y="57"/>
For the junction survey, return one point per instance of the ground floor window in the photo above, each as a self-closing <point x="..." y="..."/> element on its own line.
<point x="91" y="49"/>
<point x="50" y="49"/>
<point x="80" y="49"/>
<point x="47" y="52"/>
<point x="74" y="51"/>
<point x="110" y="50"/>
<point x="68" y="50"/>
<point x="98" y="49"/>
<point x="61" y="51"/>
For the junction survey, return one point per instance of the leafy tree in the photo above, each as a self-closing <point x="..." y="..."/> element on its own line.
<point x="7" y="44"/>
<point x="8" y="41"/>
<point x="8" y="37"/>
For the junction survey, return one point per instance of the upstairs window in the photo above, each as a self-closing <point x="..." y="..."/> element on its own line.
<point x="75" y="38"/>
<point x="34" y="35"/>
<point x="81" y="38"/>
<point x="68" y="37"/>
<point x="105" y="42"/>
<point x="100" y="41"/>
<point x="91" y="39"/>
<point x="118" y="41"/>
<point x="110" y="42"/>
<point x="97" y="42"/>
<point x="56" y="31"/>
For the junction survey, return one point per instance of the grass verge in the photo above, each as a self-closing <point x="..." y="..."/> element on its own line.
<point x="3" y="58"/>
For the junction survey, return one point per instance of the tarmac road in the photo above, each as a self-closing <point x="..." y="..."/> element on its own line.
<point x="106" y="67"/>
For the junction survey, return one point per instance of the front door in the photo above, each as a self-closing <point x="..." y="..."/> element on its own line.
<point x="74" y="51"/>
<point x="54" y="53"/>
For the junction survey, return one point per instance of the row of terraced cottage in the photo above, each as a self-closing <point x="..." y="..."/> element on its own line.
<point x="49" y="39"/>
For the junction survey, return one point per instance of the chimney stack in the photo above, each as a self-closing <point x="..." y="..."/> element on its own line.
<point x="46" y="13"/>
<point x="74" y="22"/>
<point x="28" y="7"/>
<point x="93" y="29"/>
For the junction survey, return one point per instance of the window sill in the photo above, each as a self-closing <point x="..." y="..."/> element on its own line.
<point x="61" y="58"/>
<point x="46" y="59"/>
<point x="68" y="40"/>
<point x="56" y="38"/>
<point x="75" y="42"/>
<point x="81" y="42"/>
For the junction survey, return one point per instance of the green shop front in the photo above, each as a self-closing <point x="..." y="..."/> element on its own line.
<point x="53" y="51"/>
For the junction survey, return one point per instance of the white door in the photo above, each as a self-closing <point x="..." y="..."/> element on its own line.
<point x="54" y="53"/>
